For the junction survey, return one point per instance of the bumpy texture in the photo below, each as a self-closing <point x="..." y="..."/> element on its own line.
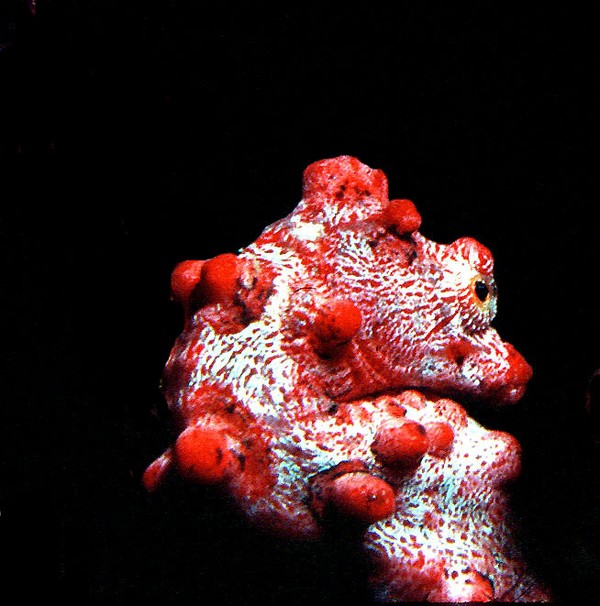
<point x="312" y="382"/>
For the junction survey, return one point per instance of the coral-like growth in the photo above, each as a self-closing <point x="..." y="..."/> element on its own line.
<point x="312" y="381"/>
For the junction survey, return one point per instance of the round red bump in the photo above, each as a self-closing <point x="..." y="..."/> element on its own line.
<point x="363" y="497"/>
<point x="184" y="278"/>
<point x="403" y="216"/>
<point x="441" y="438"/>
<point x="401" y="443"/>
<point x="219" y="278"/>
<point x="202" y="455"/>
<point x="337" y="322"/>
<point x="156" y="471"/>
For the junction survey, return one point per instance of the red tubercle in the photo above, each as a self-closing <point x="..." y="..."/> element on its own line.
<point x="350" y="491"/>
<point x="237" y="288"/>
<point x="336" y="322"/>
<point x="403" y="216"/>
<point x="219" y="279"/>
<point x="197" y="283"/>
<point x="362" y="497"/>
<point x="401" y="443"/>
<point x="202" y="455"/>
<point x="157" y="470"/>
<point x="184" y="278"/>
<point x="441" y="438"/>
<point x="242" y="437"/>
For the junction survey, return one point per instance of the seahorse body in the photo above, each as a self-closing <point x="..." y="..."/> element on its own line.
<point x="312" y="380"/>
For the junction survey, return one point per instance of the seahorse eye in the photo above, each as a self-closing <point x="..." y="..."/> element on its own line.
<point x="482" y="290"/>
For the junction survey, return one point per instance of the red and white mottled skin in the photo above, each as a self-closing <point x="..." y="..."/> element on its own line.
<point x="312" y="381"/>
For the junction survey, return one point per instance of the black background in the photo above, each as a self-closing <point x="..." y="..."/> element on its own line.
<point x="138" y="134"/>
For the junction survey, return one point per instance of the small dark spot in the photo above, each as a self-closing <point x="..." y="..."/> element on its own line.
<point x="412" y="255"/>
<point x="230" y="407"/>
<point x="333" y="409"/>
<point x="242" y="459"/>
<point x="341" y="192"/>
<point x="219" y="455"/>
<point x="460" y="359"/>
